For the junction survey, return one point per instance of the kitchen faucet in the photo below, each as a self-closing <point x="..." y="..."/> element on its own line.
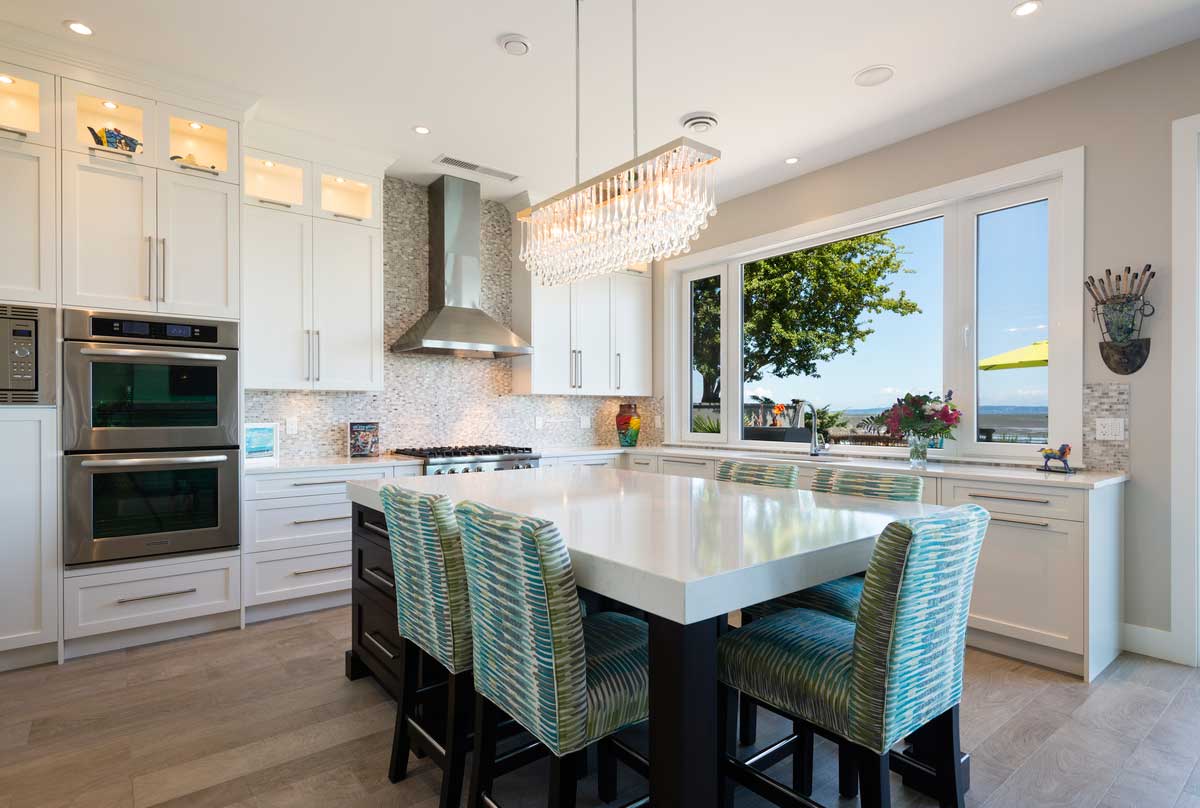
<point x="814" y="441"/>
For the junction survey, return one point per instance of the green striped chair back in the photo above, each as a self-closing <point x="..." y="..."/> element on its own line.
<point x="530" y="656"/>
<point x="912" y="624"/>
<point x="897" y="487"/>
<point x="431" y="581"/>
<point x="778" y="476"/>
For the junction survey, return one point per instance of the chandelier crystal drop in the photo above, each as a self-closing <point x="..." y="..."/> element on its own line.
<point x="646" y="210"/>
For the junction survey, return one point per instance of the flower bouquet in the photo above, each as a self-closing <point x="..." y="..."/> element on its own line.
<point x="921" y="419"/>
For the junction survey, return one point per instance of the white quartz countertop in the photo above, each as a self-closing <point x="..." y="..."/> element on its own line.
<point x="332" y="463"/>
<point x="683" y="548"/>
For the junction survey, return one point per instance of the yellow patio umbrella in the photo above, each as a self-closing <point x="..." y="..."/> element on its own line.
<point x="1035" y="355"/>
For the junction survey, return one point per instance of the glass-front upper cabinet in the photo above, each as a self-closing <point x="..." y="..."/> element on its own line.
<point x="107" y="123"/>
<point x="276" y="181"/>
<point x="26" y="105"/>
<point x="347" y="197"/>
<point x="198" y="144"/>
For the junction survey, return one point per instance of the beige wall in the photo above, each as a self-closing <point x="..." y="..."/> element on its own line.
<point x="1123" y="118"/>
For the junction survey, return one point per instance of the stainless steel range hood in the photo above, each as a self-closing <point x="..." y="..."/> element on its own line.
<point x="454" y="324"/>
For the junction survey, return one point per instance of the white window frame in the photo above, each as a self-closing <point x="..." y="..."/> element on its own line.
<point x="684" y="416"/>
<point x="1061" y="174"/>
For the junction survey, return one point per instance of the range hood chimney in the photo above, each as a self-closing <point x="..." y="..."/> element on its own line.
<point x="454" y="324"/>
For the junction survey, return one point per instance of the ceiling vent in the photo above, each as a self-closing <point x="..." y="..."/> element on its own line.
<point x="466" y="165"/>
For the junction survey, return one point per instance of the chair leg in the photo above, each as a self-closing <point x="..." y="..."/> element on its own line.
<point x="727" y="738"/>
<point x="947" y="758"/>
<point x="405" y="706"/>
<point x="606" y="771"/>
<point x="483" y="762"/>
<point x="847" y="770"/>
<point x="460" y="688"/>
<point x="874" y="775"/>
<point x="564" y="777"/>
<point x="802" y="758"/>
<point x="747" y="720"/>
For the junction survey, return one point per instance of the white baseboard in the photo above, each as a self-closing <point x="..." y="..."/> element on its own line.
<point x="287" y="608"/>
<point x="1155" y="642"/>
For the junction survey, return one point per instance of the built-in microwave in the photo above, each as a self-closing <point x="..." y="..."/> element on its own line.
<point x="28" y="338"/>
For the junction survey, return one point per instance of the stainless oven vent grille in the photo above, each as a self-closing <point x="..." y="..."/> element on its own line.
<point x="18" y="311"/>
<point x="18" y="397"/>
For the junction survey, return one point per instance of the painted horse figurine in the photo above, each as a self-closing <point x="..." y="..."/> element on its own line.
<point x="1060" y="454"/>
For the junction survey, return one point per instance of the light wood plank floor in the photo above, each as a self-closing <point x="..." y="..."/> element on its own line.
<point x="264" y="717"/>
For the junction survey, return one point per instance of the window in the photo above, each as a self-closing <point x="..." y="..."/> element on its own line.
<point x="962" y="288"/>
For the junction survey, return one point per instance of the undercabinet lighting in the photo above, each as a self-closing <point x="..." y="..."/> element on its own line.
<point x="268" y="164"/>
<point x="196" y="125"/>
<point x="421" y="130"/>
<point x="6" y="79"/>
<point x="109" y="105"/>
<point x="339" y="179"/>
<point x="1026" y="8"/>
<point x="76" y="27"/>
<point x="792" y="160"/>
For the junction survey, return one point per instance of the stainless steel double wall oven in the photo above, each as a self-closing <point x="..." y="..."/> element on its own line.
<point x="150" y="435"/>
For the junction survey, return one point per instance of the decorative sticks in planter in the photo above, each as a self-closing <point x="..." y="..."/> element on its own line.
<point x="1120" y="309"/>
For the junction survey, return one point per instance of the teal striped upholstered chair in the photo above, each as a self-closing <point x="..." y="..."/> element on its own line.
<point x="570" y="681"/>
<point x="433" y="617"/>
<point x="776" y="476"/>
<point x="894" y="672"/>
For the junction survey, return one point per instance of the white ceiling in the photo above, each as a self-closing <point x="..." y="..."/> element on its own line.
<point x="777" y="72"/>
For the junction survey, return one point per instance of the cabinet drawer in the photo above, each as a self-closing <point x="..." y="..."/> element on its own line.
<point x="373" y="571"/>
<point x="285" y="574"/>
<point x="1029" y="584"/>
<point x="647" y="463"/>
<point x="377" y="638"/>
<point x="598" y="461"/>
<point x="1028" y="500"/>
<point x="273" y="524"/>
<point x="104" y="602"/>
<point x="687" y="467"/>
<point x="309" y="483"/>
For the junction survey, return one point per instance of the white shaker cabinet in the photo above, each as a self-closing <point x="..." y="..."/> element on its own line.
<point x="109" y="212"/>
<point x="198" y="246"/>
<point x="27" y="211"/>
<point x="347" y="307"/>
<point x="632" y="349"/>
<point x="277" y="263"/>
<point x="590" y="325"/>
<point x="550" y="369"/>
<point x="29" y="551"/>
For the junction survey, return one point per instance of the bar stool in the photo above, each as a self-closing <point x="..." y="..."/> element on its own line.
<point x="776" y="476"/>
<point x="570" y="681"/>
<point x="895" y="672"/>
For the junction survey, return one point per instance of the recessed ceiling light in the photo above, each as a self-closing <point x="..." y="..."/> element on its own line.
<point x="268" y="164"/>
<point x="339" y="179"/>
<point x="515" y="44"/>
<point x="1026" y="8"/>
<point x="6" y="79"/>
<point x="196" y="125"/>
<point x="421" y="130"/>
<point x="109" y="104"/>
<point x="874" y="75"/>
<point x="792" y="160"/>
<point x="77" y="27"/>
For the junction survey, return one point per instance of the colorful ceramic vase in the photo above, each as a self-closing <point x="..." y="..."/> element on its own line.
<point x="629" y="424"/>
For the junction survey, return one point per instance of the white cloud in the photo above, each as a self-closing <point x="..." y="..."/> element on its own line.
<point x="1019" y="329"/>
<point x="890" y="391"/>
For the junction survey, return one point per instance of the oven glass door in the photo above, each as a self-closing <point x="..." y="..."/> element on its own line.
<point x="126" y="505"/>
<point x="148" y="398"/>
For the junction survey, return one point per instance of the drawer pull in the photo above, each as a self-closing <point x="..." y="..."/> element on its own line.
<point x="321" y="482"/>
<point x="390" y="584"/>
<point x="1034" y="500"/>
<point x="688" y="462"/>
<point x="383" y="648"/>
<point x="378" y="531"/>
<point x="1029" y="523"/>
<point x="321" y="569"/>
<point x="159" y="595"/>
<point x="322" y="519"/>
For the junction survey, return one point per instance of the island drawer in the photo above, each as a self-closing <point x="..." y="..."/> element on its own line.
<point x="373" y="571"/>
<point x="1022" y="500"/>
<point x="377" y="643"/>
<point x="285" y="574"/>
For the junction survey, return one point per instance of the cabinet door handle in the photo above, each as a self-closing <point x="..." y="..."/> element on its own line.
<point x="307" y="354"/>
<point x="11" y="131"/>
<point x="321" y="569"/>
<point x="383" y="648"/>
<point x="201" y="169"/>
<point x="390" y="584"/>
<point x="347" y="216"/>
<point x="618" y="371"/>
<point x="1023" y="522"/>
<point x="322" y="519"/>
<point x="105" y="150"/>
<point x="162" y="272"/>
<point x="149" y="266"/>
<point x="317" y="355"/>
<point x="159" y="595"/>
<point x="1034" y="500"/>
<point x="273" y="202"/>
<point x="580" y="368"/>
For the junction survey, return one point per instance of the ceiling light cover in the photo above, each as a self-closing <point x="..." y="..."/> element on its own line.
<point x="648" y="209"/>
<point x="874" y="75"/>
<point x="77" y="27"/>
<point x="1026" y="8"/>
<point x="421" y="130"/>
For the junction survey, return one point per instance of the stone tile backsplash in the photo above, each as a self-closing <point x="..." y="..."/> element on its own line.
<point x="432" y="400"/>
<point x="1105" y="400"/>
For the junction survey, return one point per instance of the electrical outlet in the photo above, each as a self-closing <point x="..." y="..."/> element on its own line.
<point x="539" y="423"/>
<point x="293" y="425"/>
<point x="1110" y="429"/>
<point x="585" y="422"/>
<point x="658" y="422"/>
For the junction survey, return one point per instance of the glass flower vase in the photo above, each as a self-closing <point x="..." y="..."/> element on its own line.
<point x="918" y="451"/>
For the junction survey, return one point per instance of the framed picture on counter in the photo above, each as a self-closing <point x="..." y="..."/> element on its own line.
<point x="261" y="444"/>
<point x="363" y="438"/>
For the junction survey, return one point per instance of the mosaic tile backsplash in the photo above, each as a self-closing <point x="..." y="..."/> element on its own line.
<point x="1105" y="400"/>
<point x="432" y="400"/>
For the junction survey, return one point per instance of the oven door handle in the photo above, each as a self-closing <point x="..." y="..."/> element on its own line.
<point x="144" y="353"/>
<point x="152" y="461"/>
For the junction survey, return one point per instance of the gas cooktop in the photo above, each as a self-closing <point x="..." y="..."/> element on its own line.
<point x="467" y="459"/>
<point x="483" y="450"/>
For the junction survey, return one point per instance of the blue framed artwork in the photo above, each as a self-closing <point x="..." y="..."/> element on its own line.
<point x="261" y="444"/>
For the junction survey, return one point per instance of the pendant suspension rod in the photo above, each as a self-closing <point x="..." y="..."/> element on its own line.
<point x="635" y="80"/>
<point x="578" y="136"/>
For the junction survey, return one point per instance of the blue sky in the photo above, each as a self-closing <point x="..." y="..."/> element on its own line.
<point x="905" y="353"/>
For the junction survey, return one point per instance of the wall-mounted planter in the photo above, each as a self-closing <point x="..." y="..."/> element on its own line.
<point x="1125" y="358"/>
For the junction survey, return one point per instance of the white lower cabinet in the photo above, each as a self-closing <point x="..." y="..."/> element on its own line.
<point x="273" y="524"/>
<point x="687" y="467"/>
<point x="29" y="539"/>
<point x="103" y="602"/>
<point x="277" y="575"/>
<point x="596" y="461"/>
<point x="648" y="463"/>
<point x="28" y="207"/>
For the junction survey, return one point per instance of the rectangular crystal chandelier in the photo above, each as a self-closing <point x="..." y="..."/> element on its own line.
<point x="647" y="209"/>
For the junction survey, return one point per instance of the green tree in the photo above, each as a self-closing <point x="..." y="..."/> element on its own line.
<point x="801" y="308"/>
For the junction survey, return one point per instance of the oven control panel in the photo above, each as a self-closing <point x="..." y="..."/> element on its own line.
<point x="18" y="341"/>
<point x="153" y="330"/>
